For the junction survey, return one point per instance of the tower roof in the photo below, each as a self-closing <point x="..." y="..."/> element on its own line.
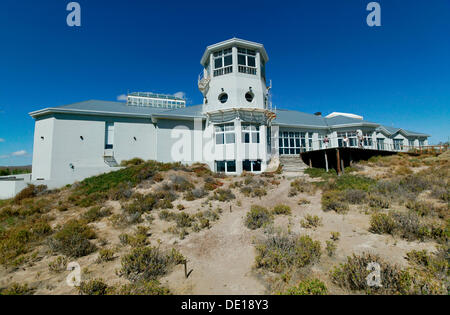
<point x="234" y="42"/>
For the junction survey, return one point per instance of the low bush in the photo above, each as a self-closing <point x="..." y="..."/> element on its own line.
<point x="377" y="201"/>
<point x="331" y="248"/>
<point x="279" y="252"/>
<point x="257" y="217"/>
<point x="355" y="196"/>
<point x="223" y="195"/>
<point x="334" y="200"/>
<point x="105" y="255"/>
<point x="151" y="287"/>
<point x="29" y="192"/>
<point x="58" y="265"/>
<point x="148" y="263"/>
<point x="73" y="239"/>
<point x="96" y="213"/>
<point x="17" y="289"/>
<point x="308" y="287"/>
<point x="311" y="221"/>
<point x="93" y="287"/>
<point x="282" y="209"/>
<point x="301" y="186"/>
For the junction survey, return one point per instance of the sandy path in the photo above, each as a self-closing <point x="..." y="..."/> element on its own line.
<point x="221" y="259"/>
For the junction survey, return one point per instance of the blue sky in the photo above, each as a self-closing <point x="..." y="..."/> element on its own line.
<point x="323" y="57"/>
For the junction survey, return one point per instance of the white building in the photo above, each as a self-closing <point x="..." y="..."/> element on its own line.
<point x="235" y="129"/>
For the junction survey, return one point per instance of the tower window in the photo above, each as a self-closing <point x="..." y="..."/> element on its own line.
<point x="249" y="96"/>
<point x="223" y="62"/>
<point x="247" y="61"/>
<point x="223" y="98"/>
<point x="225" y="134"/>
<point x="250" y="133"/>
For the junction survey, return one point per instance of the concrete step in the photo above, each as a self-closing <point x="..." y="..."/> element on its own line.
<point x="292" y="164"/>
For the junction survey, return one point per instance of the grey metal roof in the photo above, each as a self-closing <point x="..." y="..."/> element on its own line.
<point x="96" y="107"/>
<point x="284" y="117"/>
<point x="195" y="111"/>
<point x="294" y="118"/>
<point x="394" y="130"/>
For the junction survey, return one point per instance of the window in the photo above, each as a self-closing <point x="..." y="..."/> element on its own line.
<point x="368" y="142"/>
<point x="226" y="166"/>
<point x="251" y="166"/>
<point x="250" y="133"/>
<point x="351" y="136"/>
<point x="249" y="96"/>
<point x="398" y="144"/>
<point x="225" y="134"/>
<point x="380" y="143"/>
<point x="247" y="61"/>
<point x="292" y="142"/>
<point x="223" y="98"/>
<point x="109" y="135"/>
<point x="223" y="62"/>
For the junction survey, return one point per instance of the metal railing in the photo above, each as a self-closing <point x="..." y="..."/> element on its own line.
<point x="366" y="144"/>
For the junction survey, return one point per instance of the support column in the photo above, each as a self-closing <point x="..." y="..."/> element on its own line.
<point x="338" y="162"/>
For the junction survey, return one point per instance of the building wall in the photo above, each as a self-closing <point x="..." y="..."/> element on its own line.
<point x="75" y="146"/>
<point x="42" y="148"/>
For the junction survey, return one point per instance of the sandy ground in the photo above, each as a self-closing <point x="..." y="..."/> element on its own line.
<point x="222" y="257"/>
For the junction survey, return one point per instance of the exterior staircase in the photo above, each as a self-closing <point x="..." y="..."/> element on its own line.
<point x="292" y="164"/>
<point x="109" y="158"/>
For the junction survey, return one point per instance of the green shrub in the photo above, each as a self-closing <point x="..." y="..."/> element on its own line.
<point x="96" y="213"/>
<point x="279" y="252"/>
<point x="151" y="287"/>
<point x="311" y="221"/>
<point x="105" y="255"/>
<point x="58" y="265"/>
<point x="183" y="220"/>
<point x="73" y="239"/>
<point x="355" y="196"/>
<point x="223" y="195"/>
<point x="301" y="185"/>
<point x="331" y="248"/>
<point x="333" y="200"/>
<point x="308" y="287"/>
<point x="320" y="172"/>
<point x="29" y="192"/>
<point x="282" y="209"/>
<point x="93" y="287"/>
<point x="17" y="289"/>
<point x="378" y="202"/>
<point x="353" y="274"/>
<point x="382" y="223"/>
<point x="335" y="236"/>
<point x="147" y="263"/>
<point x="257" y="217"/>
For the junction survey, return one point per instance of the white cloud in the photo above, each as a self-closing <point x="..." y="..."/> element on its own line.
<point x="4" y="156"/>
<point x="2" y="140"/>
<point x="180" y="95"/>
<point x="122" y="97"/>
<point x="19" y="153"/>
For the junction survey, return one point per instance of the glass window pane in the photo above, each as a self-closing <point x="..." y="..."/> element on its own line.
<point x="228" y="60"/>
<point x="218" y="63"/>
<point x="292" y="143"/>
<point x="280" y="142"/>
<point x="257" y="166"/>
<point x="251" y="61"/>
<point x="230" y="138"/>
<point x="241" y="60"/>
<point x="255" y="137"/>
<point x="219" y="138"/>
<point x="220" y="166"/>
<point x="231" y="166"/>
<point x="247" y="166"/>
<point x="297" y="143"/>
<point x="219" y="128"/>
<point x="246" y="137"/>
<point x="286" y="143"/>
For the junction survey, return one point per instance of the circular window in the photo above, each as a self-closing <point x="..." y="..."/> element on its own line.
<point x="223" y="98"/>
<point x="249" y="96"/>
